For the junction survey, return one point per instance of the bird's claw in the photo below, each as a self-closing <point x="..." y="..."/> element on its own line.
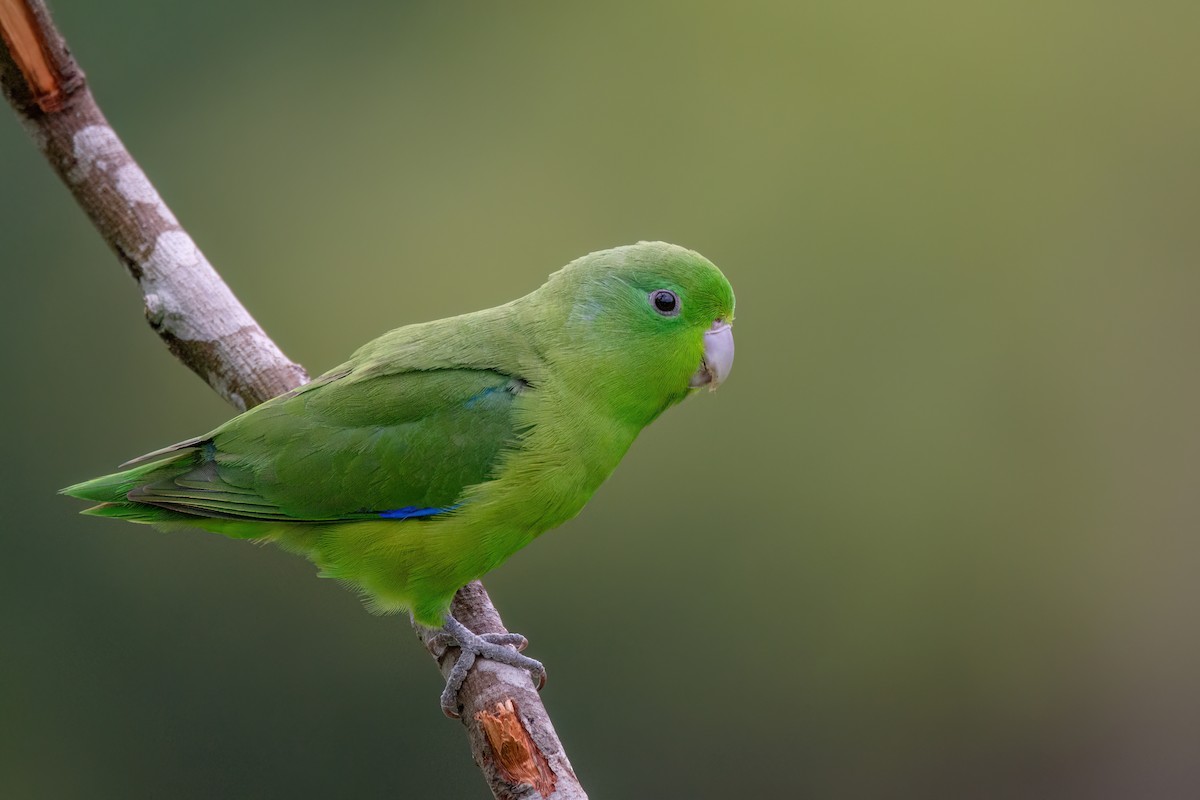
<point x="492" y="646"/>
<point x="515" y="639"/>
<point x="443" y="640"/>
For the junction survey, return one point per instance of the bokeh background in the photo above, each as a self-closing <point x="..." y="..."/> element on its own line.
<point x="937" y="536"/>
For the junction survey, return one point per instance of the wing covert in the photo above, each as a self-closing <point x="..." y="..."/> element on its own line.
<point x="399" y="446"/>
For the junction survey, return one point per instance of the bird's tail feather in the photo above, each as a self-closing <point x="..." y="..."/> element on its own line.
<point x="111" y="491"/>
<point x="113" y="488"/>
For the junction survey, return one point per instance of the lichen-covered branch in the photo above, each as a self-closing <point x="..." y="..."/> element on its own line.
<point x="206" y="328"/>
<point x="187" y="303"/>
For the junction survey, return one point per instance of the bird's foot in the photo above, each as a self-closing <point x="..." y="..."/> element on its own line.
<point x="493" y="646"/>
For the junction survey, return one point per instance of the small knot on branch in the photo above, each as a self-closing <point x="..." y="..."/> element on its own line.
<point x="154" y="311"/>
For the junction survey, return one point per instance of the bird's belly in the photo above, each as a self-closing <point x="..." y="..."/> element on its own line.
<point x="419" y="564"/>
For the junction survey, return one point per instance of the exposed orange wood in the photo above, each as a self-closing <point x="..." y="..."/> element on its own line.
<point x="517" y="755"/>
<point x="27" y="44"/>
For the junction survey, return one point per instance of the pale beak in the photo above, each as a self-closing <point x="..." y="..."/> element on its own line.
<point x="718" y="357"/>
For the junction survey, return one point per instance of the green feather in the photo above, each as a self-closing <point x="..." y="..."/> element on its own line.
<point x="509" y="418"/>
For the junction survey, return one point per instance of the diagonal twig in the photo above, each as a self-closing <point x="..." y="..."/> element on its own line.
<point x="205" y="327"/>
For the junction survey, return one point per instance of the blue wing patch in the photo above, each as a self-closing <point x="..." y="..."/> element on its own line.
<point x="474" y="399"/>
<point x="409" y="512"/>
<point x="514" y="386"/>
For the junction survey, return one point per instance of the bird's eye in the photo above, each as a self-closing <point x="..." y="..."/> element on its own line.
<point x="665" y="302"/>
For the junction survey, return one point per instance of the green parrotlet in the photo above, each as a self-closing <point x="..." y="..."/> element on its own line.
<point x="440" y="449"/>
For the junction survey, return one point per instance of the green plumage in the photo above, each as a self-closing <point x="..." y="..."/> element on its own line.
<point x="499" y="425"/>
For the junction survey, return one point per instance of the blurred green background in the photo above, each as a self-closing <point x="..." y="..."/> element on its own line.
<point x="937" y="536"/>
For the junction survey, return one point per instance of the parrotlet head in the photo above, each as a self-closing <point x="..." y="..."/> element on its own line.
<point x="650" y="323"/>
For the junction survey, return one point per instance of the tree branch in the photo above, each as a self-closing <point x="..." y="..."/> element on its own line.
<point x="205" y="327"/>
<point x="511" y="736"/>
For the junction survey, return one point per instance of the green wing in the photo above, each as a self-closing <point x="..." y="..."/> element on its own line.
<point x="347" y="446"/>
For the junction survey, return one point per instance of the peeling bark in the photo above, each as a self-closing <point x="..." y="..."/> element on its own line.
<point x="205" y="327"/>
